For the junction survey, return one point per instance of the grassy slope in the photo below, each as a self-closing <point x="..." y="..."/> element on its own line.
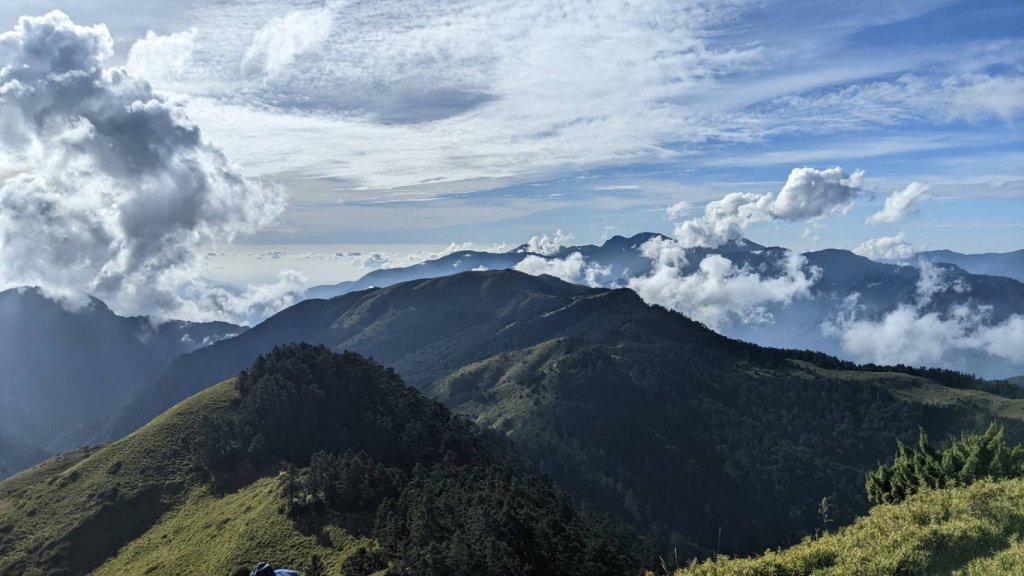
<point x="972" y="531"/>
<point x="217" y="534"/>
<point x="74" y="512"/>
<point x="133" y="481"/>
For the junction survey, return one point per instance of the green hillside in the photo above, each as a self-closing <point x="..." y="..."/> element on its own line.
<point x="308" y="459"/>
<point x="696" y="440"/>
<point x="972" y="531"/>
<point x="747" y="456"/>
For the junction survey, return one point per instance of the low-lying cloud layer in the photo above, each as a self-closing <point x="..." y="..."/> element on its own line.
<point x="573" y="268"/>
<point x="917" y="334"/>
<point x="719" y="291"/>
<point x="106" y="187"/>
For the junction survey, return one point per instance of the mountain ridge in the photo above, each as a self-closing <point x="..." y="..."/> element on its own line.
<point x="530" y="356"/>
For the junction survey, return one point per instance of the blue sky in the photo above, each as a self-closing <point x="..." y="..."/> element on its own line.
<point x="417" y="122"/>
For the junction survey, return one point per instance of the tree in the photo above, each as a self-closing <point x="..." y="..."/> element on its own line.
<point x="825" y="511"/>
<point x="968" y="459"/>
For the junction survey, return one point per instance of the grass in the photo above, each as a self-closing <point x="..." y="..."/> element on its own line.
<point x="139" y="506"/>
<point x="217" y="534"/>
<point x="73" y="512"/>
<point x="972" y="531"/>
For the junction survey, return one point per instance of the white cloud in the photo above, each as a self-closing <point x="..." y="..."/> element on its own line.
<point x="974" y="97"/>
<point x="900" y="204"/>
<point x="573" y="268"/>
<point x="276" y="46"/>
<point x="907" y="335"/>
<point x="893" y="248"/>
<point x="546" y="246"/>
<point x="915" y="335"/>
<point x="679" y="210"/>
<point x="810" y="193"/>
<point x="807" y="194"/>
<point x="933" y="279"/>
<point x="510" y="91"/>
<point x="164" y="58"/>
<point x="720" y="292"/>
<point x="109" y="187"/>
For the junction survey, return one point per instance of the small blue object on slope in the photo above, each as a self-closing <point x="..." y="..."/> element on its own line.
<point x="265" y="569"/>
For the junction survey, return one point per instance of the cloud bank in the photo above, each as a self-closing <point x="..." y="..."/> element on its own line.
<point x="917" y="334"/>
<point x="107" y="187"/>
<point x="807" y="194"/>
<point x="573" y="268"/>
<point x="720" y="292"/>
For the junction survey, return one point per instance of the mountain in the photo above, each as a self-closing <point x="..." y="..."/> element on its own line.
<point x="321" y="462"/>
<point x="969" y="530"/>
<point x="635" y="410"/>
<point x="848" y="287"/>
<point x="66" y="370"/>
<point x="17" y="454"/>
<point x="1009" y="264"/>
<point x="620" y="253"/>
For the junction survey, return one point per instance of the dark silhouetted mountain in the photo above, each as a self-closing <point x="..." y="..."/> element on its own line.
<point x="308" y="459"/>
<point x="633" y="409"/>
<point x="66" y="370"/>
<point x="1008" y="264"/>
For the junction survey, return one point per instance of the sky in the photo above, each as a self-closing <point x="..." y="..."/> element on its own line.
<point x="339" y="130"/>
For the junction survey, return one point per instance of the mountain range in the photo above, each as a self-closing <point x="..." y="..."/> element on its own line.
<point x="1009" y="264"/>
<point x="579" y="378"/>
<point x="846" y="291"/>
<point x="67" y="368"/>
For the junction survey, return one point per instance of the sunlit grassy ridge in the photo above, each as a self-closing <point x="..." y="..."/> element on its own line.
<point x="83" y="506"/>
<point x="966" y="531"/>
<point x="220" y="534"/>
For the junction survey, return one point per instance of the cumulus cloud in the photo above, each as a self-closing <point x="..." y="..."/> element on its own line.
<point x="893" y="248"/>
<point x="157" y="57"/>
<point x="807" y="194"/>
<point x="573" y="268"/>
<point x="916" y="334"/>
<point x="679" y="210"/>
<point x="900" y="204"/>
<point x="276" y="46"/>
<point x="719" y="291"/>
<point x="546" y="246"/>
<point x="107" y="187"/>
